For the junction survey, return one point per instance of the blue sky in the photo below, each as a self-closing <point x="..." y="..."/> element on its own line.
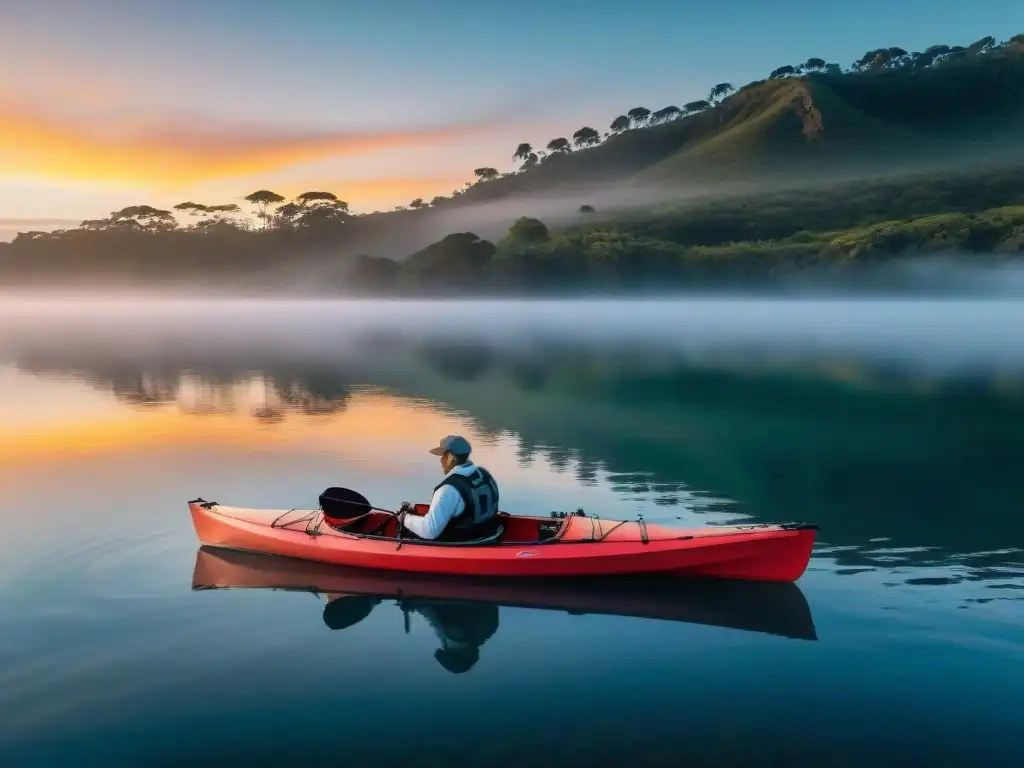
<point x="454" y="85"/>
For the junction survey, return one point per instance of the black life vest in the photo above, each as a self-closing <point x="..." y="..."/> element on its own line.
<point x="479" y="494"/>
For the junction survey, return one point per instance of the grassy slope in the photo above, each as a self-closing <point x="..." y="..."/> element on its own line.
<point x="625" y="155"/>
<point x="797" y="122"/>
<point x="866" y="122"/>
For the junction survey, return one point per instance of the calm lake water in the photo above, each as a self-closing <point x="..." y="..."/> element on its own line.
<point x="898" y="426"/>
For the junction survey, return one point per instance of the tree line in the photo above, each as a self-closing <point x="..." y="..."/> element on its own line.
<point x="321" y="210"/>
<point x="742" y="239"/>
<point x="641" y="117"/>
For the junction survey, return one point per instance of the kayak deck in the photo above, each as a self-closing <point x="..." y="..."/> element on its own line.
<point x="522" y="547"/>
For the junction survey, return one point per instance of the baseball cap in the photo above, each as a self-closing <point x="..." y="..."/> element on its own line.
<point x="457" y="445"/>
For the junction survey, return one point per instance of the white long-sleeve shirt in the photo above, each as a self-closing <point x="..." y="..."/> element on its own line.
<point x="444" y="505"/>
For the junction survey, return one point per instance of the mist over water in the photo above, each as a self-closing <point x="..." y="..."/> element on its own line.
<point x="558" y="205"/>
<point x="946" y="335"/>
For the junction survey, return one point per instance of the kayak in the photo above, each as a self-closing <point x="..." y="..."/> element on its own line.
<point x="770" y="608"/>
<point x="521" y="546"/>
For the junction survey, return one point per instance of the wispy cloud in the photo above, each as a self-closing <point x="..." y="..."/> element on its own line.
<point x="168" y="151"/>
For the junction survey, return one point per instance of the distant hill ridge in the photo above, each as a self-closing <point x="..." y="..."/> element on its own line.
<point x="974" y="102"/>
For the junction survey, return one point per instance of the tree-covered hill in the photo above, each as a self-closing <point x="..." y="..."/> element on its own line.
<point x="815" y="164"/>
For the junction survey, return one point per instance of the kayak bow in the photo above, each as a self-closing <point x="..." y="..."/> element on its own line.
<point x="522" y="547"/>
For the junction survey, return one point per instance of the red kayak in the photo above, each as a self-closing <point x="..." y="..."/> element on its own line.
<point x="522" y="546"/>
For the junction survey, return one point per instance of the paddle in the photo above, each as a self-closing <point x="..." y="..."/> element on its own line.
<point x="339" y="503"/>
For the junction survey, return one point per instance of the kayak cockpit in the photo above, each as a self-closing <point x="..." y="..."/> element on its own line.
<point x="381" y="525"/>
<point x="509" y="529"/>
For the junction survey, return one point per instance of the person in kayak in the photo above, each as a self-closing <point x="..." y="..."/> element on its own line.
<point x="464" y="503"/>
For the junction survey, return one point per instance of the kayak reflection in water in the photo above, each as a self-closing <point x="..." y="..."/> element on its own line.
<point x="461" y="627"/>
<point x="464" y="503"/>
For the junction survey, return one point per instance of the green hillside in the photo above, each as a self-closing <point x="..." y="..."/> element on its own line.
<point x="802" y="127"/>
<point x="950" y="113"/>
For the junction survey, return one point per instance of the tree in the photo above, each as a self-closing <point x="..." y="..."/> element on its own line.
<point x="436" y="201"/>
<point x="620" y="124"/>
<point x="193" y="209"/>
<point x="263" y="199"/>
<point x="92" y="225"/>
<point x="526" y="231"/>
<point x="720" y="91"/>
<point x="896" y="57"/>
<point x="696" y="106"/>
<point x="459" y="258"/>
<point x="523" y="152"/>
<point x="306" y="198"/>
<point x="587" y="209"/>
<point x="833" y="69"/>
<point x="309" y="198"/>
<point x="215" y="215"/>
<point x="314" y="209"/>
<point x="881" y="58"/>
<point x="931" y="55"/>
<point x="813" y="64"/>
<point x="559" y="145"/>
<point x="980" y="46"/>
<point x="26" y="237"/>
<point x="785" y="71"/>
<point x="665" y="114"/>
<point x="638" y="115"/>
<point x="586" y="137"/>
<point x="531" y="160"/>
<point x="865" y="61"/>
<point x="486" y="174"/>
<point x="145" y="218"/>
<point x="1016" y="40"/>
<point x="417" y="204"/>
<point x="220" y="216"/>
<point x="289" y="213"/>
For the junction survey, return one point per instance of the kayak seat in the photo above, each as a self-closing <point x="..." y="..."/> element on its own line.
<point x="381" y="525"/>
<point x="371" y="523"/>
<point x="491" y="538"/>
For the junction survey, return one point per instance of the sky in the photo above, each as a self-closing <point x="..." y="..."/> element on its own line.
<point x="108" y="103"/>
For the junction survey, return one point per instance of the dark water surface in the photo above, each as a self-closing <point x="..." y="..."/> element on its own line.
<point x="896" y="426"/>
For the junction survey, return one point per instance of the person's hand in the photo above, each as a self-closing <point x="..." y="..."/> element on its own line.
<point x="406" y="507"/>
